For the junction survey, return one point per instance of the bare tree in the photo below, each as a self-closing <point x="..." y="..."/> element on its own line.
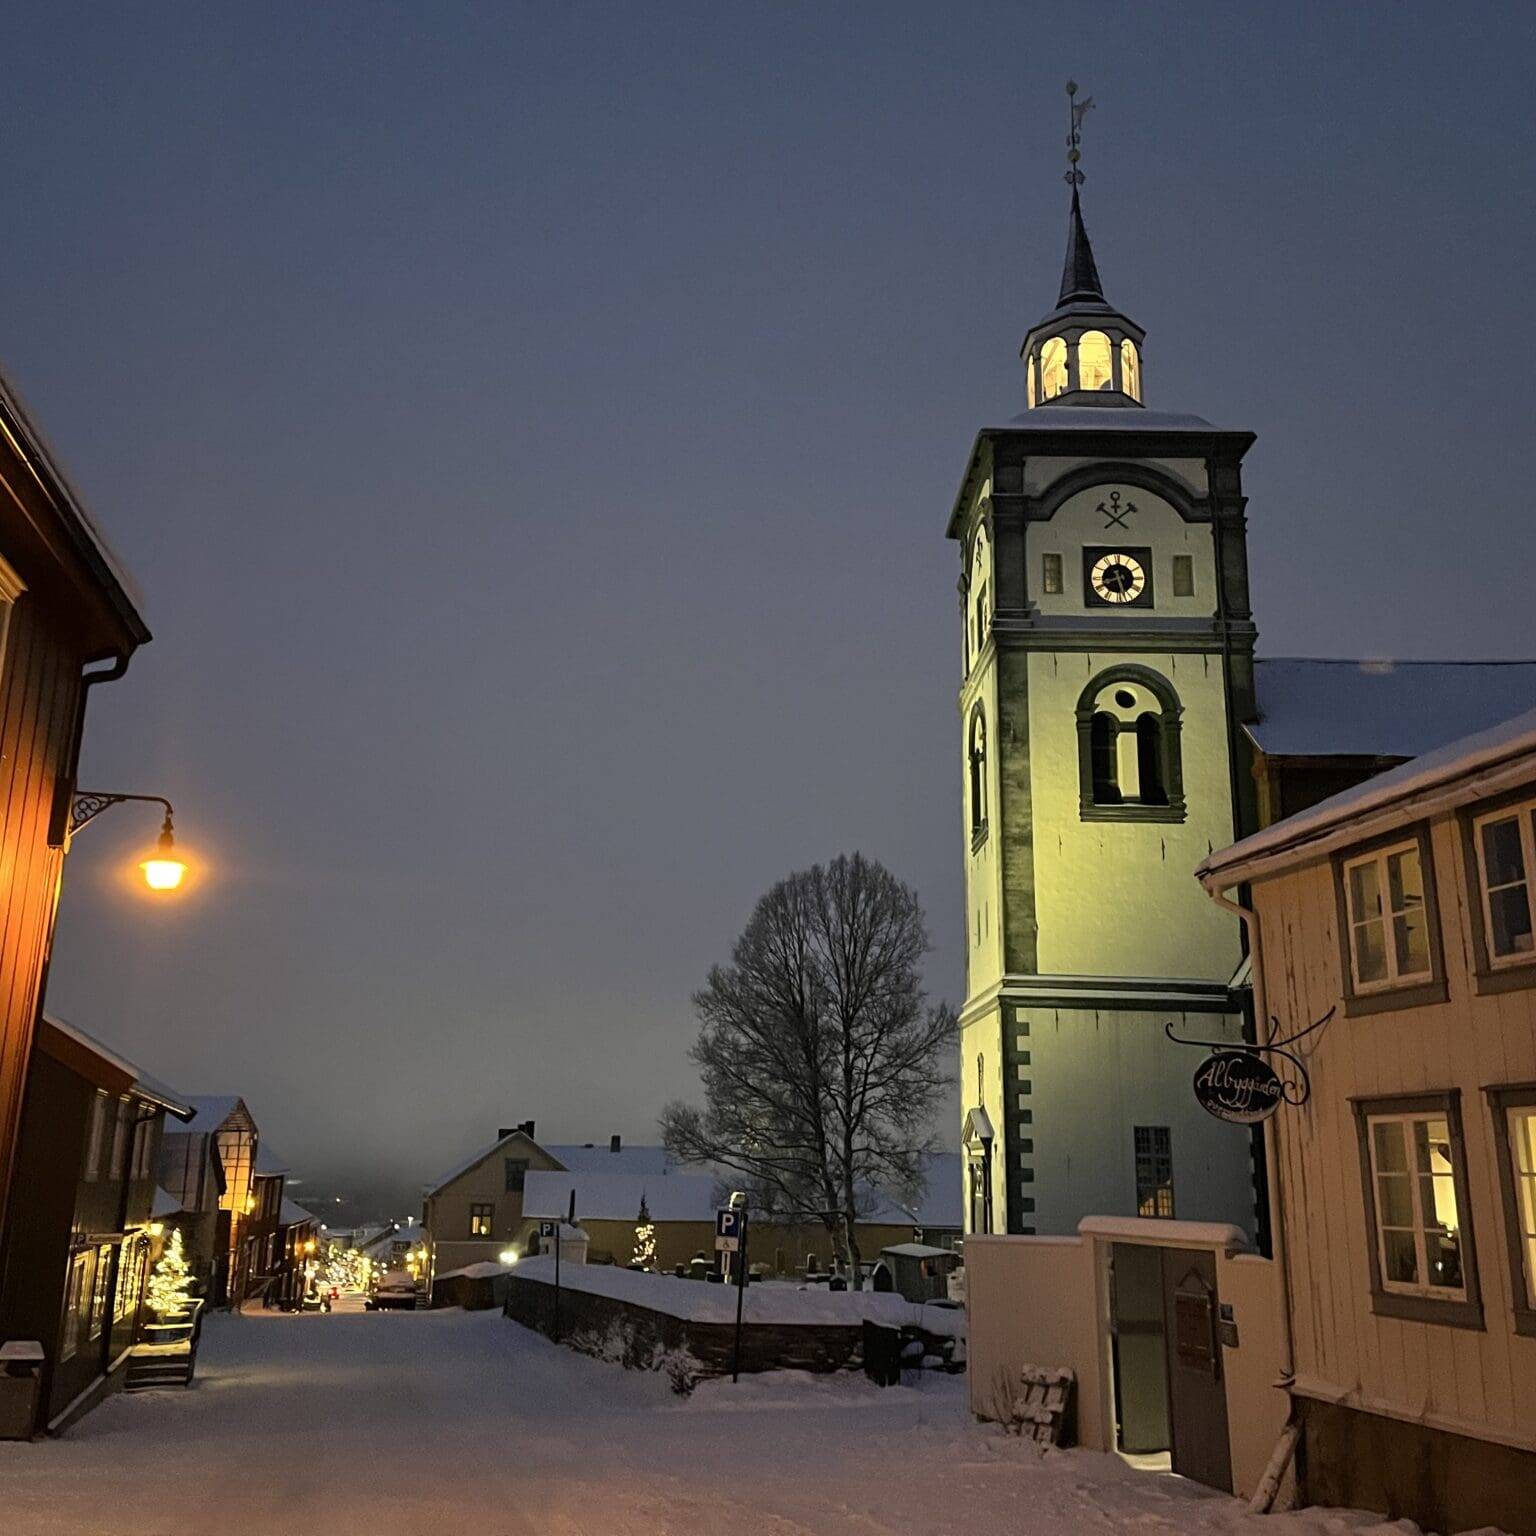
<point x="822" y="1061"/>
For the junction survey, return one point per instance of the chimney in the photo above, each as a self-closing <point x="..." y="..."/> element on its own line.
<point x="613" y="1143"/>
<point x="525" y="1126"/>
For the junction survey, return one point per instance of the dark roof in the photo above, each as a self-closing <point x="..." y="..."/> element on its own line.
<point x="1080" y="274"/>
<point x="1310" y="707"/>
<point x="143" y="1085"/>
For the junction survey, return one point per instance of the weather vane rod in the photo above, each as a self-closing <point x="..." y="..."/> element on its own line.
<point x="1075" y="111"/>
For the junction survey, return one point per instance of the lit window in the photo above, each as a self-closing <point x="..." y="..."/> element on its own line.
<point x="1051" y="578"/>
<point x="1095" y="361"/>
<point x="1505" y="859"/>
<point x="977" y="756"/>
<point x="1154" y="1170"/>
<point x="1029" y="380"/>
<point x="1388" y="923"/>
<point x="480" y="1217"/>
<point x="1053" y="368"/>
<point x="1418" y="1227"/>
<point x="1130" y="369"/>
<point x="1522" y="1150"/>
<point x="1183" y="575"/>
<point x="101" y="1291"/>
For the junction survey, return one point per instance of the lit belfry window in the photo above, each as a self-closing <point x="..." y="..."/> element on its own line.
<point x="1095" y="361"/>
<point x="1130" y="369"/>
<point x="1029" y="381"/>
<point x="1053" y="368"/>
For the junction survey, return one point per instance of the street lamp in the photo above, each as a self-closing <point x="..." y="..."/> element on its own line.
<point x="162" y="870"/>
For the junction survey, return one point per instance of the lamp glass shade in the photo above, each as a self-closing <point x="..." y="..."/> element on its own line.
<point x="162" y="873"/>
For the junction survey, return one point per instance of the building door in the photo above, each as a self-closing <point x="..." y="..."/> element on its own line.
<point x="1140" y="1363"/>
<point x="1197" y="1395"/>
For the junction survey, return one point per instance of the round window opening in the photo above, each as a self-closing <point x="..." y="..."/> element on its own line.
<point x="1125" y="698"/>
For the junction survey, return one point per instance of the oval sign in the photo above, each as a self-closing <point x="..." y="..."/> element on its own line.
<point x="1238" y="1086"/>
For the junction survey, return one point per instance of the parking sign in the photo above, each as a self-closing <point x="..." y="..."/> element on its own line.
<point x="727" y="1231"/>
<point x="547" y="1228"/>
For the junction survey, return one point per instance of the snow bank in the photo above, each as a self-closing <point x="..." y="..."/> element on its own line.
<point x="696" y="1301"/>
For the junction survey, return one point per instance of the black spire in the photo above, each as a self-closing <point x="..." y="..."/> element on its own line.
<point x="1079" y="277"/>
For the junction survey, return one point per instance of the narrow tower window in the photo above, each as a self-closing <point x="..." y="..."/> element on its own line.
<point x="1095" y="361"/>
<point x="1051" y="575"/>
<point x="1053" y="368"/>
<point x="978" y="764"/>
<point x="1130" y="369"/>
<point x="1183" y="575"/>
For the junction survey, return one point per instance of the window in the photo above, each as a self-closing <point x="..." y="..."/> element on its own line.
<point x="130" y="1280"/>
<point x="1183" y="575"/>
<point x="1388" y="922"/>
<point x="1130" y="369"/>
<point x="95" y="1134"/>
<point x="1052" y="580"/>
<point x="76" y="1294"/>
<point x="1095" y="361"/>
<point x="480" y="1220"/>
<point x="122" y="1121"/>
<point x="982" y="615"/>
<point x="1029" y="381"/>
<point x="1413" y="1163"/>
<point x="1506" y="855"/>
<point x="976" y="754"/>
<point x="1129" y="747"/>
<point x="1154" y="1170"/>
<point x="1514" y="1135"/>
<point x="517" y="1171"/>
<point x="1053" y="368"/>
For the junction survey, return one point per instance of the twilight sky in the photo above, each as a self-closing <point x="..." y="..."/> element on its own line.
<point x="533" y="428"/>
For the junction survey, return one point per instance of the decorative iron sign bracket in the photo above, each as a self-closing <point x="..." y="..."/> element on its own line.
<point x="1237" y="1082"/>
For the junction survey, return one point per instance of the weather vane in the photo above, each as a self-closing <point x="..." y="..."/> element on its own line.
<point x="1075" y="110"/>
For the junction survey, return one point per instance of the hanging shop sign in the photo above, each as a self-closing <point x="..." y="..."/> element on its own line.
<point x="1240" y="1083"/>
<point x="1238" y="1086"/>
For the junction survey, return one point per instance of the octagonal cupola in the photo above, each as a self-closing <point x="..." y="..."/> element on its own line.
<point x="1085" y="352"/>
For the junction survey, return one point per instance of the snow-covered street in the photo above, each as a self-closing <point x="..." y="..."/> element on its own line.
<point x="450" y="1422"/>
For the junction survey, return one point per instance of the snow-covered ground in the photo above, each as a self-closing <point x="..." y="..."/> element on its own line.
<point x="399" y="1423"/>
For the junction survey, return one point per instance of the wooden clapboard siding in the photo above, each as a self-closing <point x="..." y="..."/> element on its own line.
<point x="1469" y="1380"/>
<point x="39" y="692"/>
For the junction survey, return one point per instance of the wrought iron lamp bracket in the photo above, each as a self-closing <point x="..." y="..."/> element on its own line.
<point x="87" y="804"/>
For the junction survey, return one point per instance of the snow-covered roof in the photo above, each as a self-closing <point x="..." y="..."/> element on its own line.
<point x="1310" y="707"/>
<point x="598" y="1157"/>
<point x="1103" y="418"/>
<point x="616" y="1196"/>
<point x="145" y="1086"/>
<point x="481" y="1271"/>
<point x="268" y="1162"/>
<point x="292" y="1214"/>
<point x="412" y="1232"/>
<point x="919" y="1251"/>
<point x="1465" y="765"/>
<point x="212" y="1110"/>
<point x="474" y="1159"/>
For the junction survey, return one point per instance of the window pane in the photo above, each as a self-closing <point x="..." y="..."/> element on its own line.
<point x="1410" y="944"/>
<point x="1093" y="361"/>
<point x="1370" y="952"/>
<point x="1364" y="892"/>
<point x="1400" y="1261"/>
<point x="1503" y="861"/>
<point x="1394" y="1200"/>
<point x="1391" y="1154"/>
<point x="1051" y="576"/>
<point x="1443" y="1250"/>
<point x="1405" y="880"/>
<point x="1509" y="918"/>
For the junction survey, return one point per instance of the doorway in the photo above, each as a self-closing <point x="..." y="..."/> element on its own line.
<point x="1170" y="1396"/>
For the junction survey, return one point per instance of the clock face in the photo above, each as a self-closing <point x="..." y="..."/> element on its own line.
<point x="1117" y="577"/>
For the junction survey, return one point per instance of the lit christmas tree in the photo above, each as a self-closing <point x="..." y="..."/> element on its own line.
<point x="170" y="1286"/>
<point x="645" y="1239"/>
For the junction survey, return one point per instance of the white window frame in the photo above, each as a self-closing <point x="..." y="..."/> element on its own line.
<point x="1394" y="978"/>
<point x="1524" y="1178"/>
<point x="1421" y="1249"/>
<point x="95" y="1135"/>
<point x="1523" y="815"/>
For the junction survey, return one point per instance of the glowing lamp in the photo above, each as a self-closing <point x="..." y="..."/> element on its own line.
<point x="509" y="1256"/>
<point x="156" y="1228"/>
<point x="162" y="870"/>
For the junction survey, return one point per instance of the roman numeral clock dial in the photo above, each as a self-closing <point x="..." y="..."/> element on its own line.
<point x="1117" y="577"/>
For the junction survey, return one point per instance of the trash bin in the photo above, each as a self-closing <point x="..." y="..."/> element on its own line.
<point x="21" y="1368"/>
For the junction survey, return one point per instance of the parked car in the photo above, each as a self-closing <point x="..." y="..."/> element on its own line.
<point x="396" y="1290"/>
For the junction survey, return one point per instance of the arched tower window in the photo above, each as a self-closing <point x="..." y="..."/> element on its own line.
<point x="977" y="758"/>
<point x="1130" y="767"/>
<point x="1029" y="379"/>
<point x="1053" y="368"/>
<point x="1130" y="369"/>
<point x="1095" y="361"/>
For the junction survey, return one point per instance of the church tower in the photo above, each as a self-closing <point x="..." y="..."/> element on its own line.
<point x="1107" y="661"/>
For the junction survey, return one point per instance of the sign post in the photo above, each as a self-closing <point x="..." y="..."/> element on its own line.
<point x="731" y="1239"/>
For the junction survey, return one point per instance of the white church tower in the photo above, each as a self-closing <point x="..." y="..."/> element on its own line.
<point x="1107" y="662"/>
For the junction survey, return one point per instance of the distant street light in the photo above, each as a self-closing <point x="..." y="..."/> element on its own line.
<point x="162" y="870"/>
